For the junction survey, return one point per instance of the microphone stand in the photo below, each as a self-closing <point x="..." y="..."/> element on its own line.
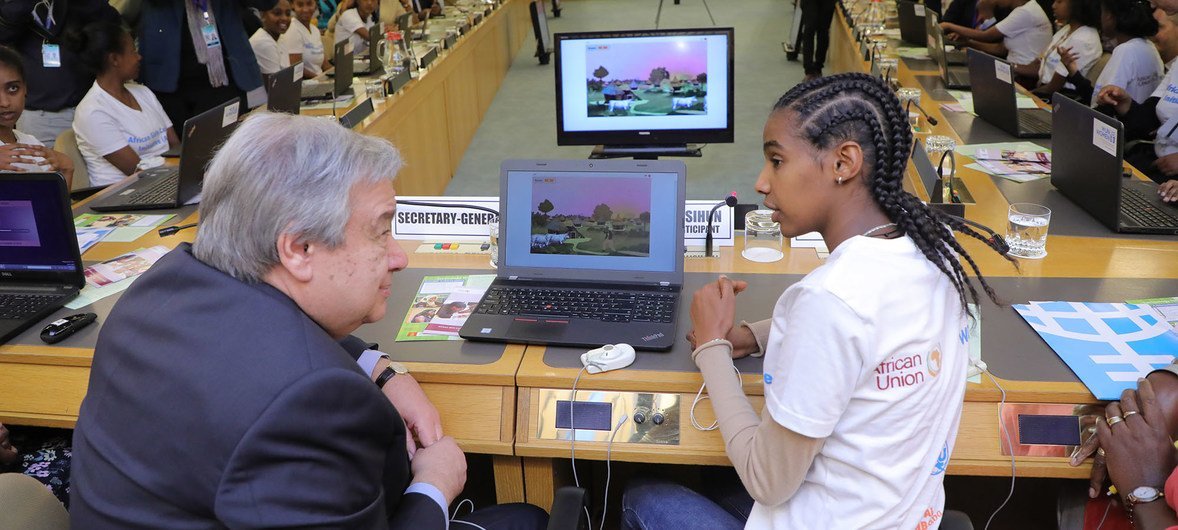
<point x="728" y="201"/>
<point x="947" y="182"/>
<point x="908" y="109"/>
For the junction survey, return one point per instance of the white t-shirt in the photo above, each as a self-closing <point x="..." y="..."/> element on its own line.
<point x="349" y="22"/>
<point x="104" y="125"/>
<point x="39" y="163"/>
<point x="270" y="57"/>
<point x="870" y="352"/>
<point x="1084" y="42"/>
<point x="1167" y="111"/>
<point x="1026" y="33"/>
<point x="1134" y="66"/>
<point x="299" y="39"/>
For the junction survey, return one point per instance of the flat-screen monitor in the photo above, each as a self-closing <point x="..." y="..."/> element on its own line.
<point x="644" y="87"/>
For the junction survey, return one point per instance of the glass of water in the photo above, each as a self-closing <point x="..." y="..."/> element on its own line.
<point x="375" y="90"/>
<point x="762" y="237"/>
<point x="493" y="237"/>
<point x="1026" y="231"/>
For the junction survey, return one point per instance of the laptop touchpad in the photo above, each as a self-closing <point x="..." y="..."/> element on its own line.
<point x="537" y="327"/>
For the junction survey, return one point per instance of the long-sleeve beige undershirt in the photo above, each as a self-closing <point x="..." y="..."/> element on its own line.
<point x="771" y="460"/>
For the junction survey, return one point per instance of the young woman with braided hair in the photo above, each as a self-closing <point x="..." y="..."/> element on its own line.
<point x="865" y="357"/>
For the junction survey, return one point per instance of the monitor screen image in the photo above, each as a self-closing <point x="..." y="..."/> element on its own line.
<point x="645" y="87"/>
<point x="610" y="221"/>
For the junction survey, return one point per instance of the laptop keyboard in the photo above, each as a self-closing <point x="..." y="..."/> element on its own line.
<point x="1137" y="207"/>
<point x="1035" y="122"/>
<point x="592" y="304"/>
<point x="19" y="306"/>
<point x="162" y="191"/>
<point x="958" y="78"/>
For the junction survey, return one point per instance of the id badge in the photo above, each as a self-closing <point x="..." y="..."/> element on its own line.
<point x="50" y="55"/>
<point x="208" y="30"/>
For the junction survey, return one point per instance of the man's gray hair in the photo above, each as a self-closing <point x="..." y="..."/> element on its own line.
<point x="283" y="174"/>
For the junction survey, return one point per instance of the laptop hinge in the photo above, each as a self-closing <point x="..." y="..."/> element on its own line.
<point x="45" y="288"/>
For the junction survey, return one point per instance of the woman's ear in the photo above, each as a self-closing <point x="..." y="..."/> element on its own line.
<point x="847" y="158"/>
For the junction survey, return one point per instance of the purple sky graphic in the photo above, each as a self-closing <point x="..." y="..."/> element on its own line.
<point x="579" y="195"/>
<point x="635" y="60"/>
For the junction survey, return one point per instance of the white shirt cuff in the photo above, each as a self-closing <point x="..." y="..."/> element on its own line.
<point x="432" y="492"/>
<point x="368" y="359"/>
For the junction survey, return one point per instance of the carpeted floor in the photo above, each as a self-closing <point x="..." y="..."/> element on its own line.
<point x="521" y="122"/>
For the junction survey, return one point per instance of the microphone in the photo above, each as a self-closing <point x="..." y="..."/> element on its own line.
<point x="947" y="182"/>
<point x="908" y="108"/>
<point x="729" y="201"/>
<point x="171" y="230"/>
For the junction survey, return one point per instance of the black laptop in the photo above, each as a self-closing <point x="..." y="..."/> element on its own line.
<point x="341" y="84"/>
<point x="283" y="89"/>
<point x="40" y="265"/>
<point x="995" y="99"/>
<point x="956" y="77"/>
<point x="1086" y="167"/>
<point x="174" y="186"/>
<point x="912" y="23"/>
<point x="371" y="63"/>
<point x="590" y="253"/>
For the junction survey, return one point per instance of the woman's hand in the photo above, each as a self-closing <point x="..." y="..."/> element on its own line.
<point x="8" y="453"/>
<point x="741" y="337"/>
<point x="1115" y="97"/>
<point x="713" y="309"/>
<point x="1169" y="189"/>
<point x="1069" y="60"/>
<point x="13" y="154"/>
<point x="1139" y="451"/>
<point x="1168" y="165"/>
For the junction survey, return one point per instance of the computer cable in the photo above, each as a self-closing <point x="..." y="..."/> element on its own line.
<point x="608" y="455"/>
<point x="981" y="366"/>
<point x="700" y="397"/>
<point x="172" y="230"/>
<point x="454" y="516"/>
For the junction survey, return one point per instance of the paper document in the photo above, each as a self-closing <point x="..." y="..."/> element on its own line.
<point x="429" y="300"/>
<point x="1167" y="308"/>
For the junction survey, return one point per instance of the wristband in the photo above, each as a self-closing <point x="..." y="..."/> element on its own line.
<point x="695" y="353"/>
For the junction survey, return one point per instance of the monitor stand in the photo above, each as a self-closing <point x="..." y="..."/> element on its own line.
<point x="645" y="152"/>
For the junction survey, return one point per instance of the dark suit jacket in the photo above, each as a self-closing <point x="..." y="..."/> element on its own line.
<point x="215" y="403"/>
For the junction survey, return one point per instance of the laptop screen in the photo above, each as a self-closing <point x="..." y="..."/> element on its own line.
<point x="36" y="239"/>
<point x="624" y="219"/>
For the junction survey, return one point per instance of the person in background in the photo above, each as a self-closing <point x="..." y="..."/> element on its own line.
<point x="1166" y="39"/>
<point x="303" y="42"/>
<point x="1079" y="21"/>
<point x="19" y="151"/>
<point x="41" y="453"/>
<point x="1025" y="33"/>
<point x="1154" y="118"/>
<point x="197" y="55"/>
<point x="275" y="21"/>
<point x="815" y="35"/>
<point x="1135" y="66"/>
<point x="121" y="126"/>
<point x="423" y="8"/>
<point x="962" y="13"/>
<point x="354" y="23"/>
<point x="35" y="29"/>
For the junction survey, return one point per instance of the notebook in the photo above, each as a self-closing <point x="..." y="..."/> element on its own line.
<point x="40" y="265"/>
<point x="1086" y="167"/>
<point x="172" y="186"/>
<point x="994" y="98"/>
<point x="590" y="253"/>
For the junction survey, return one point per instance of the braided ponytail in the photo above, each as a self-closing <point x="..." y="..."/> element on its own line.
<point x="858" y="107"/>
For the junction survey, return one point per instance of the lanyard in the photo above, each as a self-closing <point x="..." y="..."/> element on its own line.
<point x="47" y="21"/>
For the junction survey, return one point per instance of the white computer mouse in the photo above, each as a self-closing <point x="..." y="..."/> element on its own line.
<point x="608" y="357"/>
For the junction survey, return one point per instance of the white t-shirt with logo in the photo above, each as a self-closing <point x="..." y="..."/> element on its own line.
<point x="1167" y="111"/>
<point x="1026" y="31"/>
<point x="870" y="352"/>
<point x="1084" y="43"/>
<point x="307" y="41"/>
<point x="1134" y="66"/>
<point x="349" y="22"/>
<point x="271" y="57"/>
<point x="104" y="125"/>
<point x="39" y="164"/>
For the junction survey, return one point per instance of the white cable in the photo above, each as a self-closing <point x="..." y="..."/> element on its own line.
<point x="608" y="454"/>
<point x="1009" y="445"/>
<point x="573" y="438"/>
<point x="454" y="516"/>
<point x="700" y="397"/>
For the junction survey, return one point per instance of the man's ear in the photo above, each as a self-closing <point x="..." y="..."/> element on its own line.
<point x="296" y="256"/>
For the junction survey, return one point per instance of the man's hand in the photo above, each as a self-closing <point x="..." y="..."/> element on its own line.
<point x="1168" y="165"/>
<point x="1115" y="97"/>
<point x="1138" y="446"/>
<point x="421" y="417"/>
<point x="1169" y="189"/>
<point x="8" y="453"/>
<point x="441" y="465"/>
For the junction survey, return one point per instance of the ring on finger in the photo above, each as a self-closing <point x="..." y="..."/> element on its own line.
<point x="1129" y="413"/>
<point x="1113" y="420"/>
<point x="1100" y="451"/>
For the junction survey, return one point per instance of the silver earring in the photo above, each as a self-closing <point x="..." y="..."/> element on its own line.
<point x="840" y="180"/>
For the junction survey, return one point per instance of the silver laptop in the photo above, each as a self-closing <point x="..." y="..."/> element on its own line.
<point x="590" y="253"/>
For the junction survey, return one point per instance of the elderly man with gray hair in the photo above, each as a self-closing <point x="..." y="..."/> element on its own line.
<point x="221" y="394"/>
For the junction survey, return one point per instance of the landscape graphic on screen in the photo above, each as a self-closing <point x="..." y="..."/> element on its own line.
<point x="611" y="219"/>
<point x="644" y="78"/>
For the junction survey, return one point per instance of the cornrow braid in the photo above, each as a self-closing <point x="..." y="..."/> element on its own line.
<point x="858" y="107"/>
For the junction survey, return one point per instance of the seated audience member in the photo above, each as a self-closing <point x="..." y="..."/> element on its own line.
<point x="962" y="13"/>
<point x="302" y="41"/>
<point x="275" y="21"/>
<point x="41" y="453"/>
<point x="354" y="23"/>
<point x="1166" y="39"/>
<point x="120" y="125"/>
<point x="282" y="427"/>
<point x="423" y="8"/>
<point x="19" y="151"/>
<point x="1025" y="32"/>
<point x="1156" y="118"/>
<point x="846" y="351"/>
<point x="1079" y="20"/>
<point x="1135" y="65"/>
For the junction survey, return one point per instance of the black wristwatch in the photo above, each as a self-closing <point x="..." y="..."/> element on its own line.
<point x="389" y="372"/>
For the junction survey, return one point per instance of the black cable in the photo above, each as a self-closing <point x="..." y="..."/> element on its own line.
<point x="172" y="230"/>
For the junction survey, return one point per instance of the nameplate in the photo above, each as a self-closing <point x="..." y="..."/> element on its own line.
<point x="441" y="223"/>
<point x="695" y="224"/>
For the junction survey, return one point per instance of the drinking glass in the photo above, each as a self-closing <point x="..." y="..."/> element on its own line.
<point x="762" y="237"/>
<point x="1026" y="231"/>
